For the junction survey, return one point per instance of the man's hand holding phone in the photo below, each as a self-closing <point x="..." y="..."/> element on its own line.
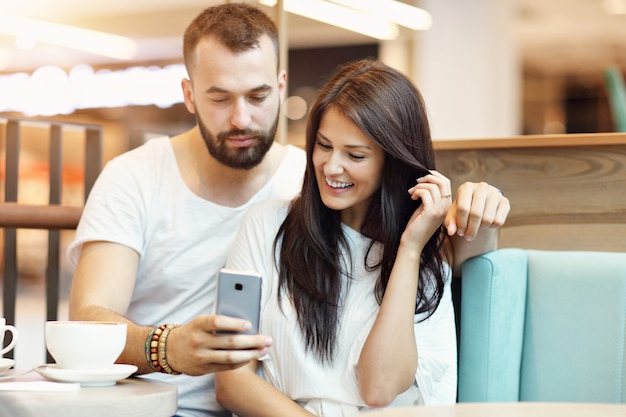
<point x="227" y="339"/>
<point x="214" y="343"/>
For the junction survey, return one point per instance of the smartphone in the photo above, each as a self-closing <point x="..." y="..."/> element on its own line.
<point x="239" y="295"/>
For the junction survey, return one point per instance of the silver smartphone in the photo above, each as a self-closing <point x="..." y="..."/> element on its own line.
<point x="239" y="295"/>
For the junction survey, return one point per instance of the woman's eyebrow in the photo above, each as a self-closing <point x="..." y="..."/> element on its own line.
<point x="322" y="136"/>
<point x="347" y="146"/>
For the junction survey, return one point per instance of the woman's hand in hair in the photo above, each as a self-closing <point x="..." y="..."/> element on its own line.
<point x="434" y="191"/>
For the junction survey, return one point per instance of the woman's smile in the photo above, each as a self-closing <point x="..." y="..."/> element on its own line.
<point x="337" y="184"/>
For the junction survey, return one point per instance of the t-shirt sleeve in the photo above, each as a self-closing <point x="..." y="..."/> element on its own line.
<point x="114" y="209"/>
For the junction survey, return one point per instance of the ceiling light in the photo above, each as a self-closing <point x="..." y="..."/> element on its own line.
<point x="395" y="11"/>
<point x="340" y="16"/>
<point x="100" y="43"/>
<point x="50" y="90"/>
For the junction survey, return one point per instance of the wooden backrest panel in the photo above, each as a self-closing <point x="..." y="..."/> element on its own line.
<point x="567" y="192"/>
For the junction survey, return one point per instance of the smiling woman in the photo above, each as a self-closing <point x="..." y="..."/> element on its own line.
<point x="358" y="266"/>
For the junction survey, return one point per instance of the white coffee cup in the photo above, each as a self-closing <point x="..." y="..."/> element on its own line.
<point x="85" y="345"/>
<point x="6" y="327"/>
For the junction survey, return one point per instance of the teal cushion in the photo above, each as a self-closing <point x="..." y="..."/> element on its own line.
<point x="492" y="320"/>
<point x="574" y="344"/>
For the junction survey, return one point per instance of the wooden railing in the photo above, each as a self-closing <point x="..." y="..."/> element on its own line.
<point x="53" y="216"/>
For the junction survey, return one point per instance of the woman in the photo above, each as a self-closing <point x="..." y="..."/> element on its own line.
<point x="356" y="272"/>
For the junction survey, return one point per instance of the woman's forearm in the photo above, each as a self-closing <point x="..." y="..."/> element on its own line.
<point x="246" y="394"/>
<point x="388" y="360"/>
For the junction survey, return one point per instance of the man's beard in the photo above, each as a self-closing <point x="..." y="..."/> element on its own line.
<point x="238" y="158"/>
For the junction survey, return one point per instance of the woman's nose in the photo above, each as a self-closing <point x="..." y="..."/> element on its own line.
<point x="334" y="165"/>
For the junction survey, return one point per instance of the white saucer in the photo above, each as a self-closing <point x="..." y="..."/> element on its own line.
<point x="87" y="378"/>
<point x="6" y="364"/>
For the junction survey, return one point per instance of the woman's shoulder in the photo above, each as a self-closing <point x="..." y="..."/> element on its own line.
<point x="268" y="212"/>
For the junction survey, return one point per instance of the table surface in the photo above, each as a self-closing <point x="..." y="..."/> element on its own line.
<point x="132" y="397"/>
<point x="514" y="409"/>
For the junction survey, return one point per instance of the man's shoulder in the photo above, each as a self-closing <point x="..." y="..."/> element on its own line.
<point x="150" y="146"/>
<point x="294" y="156"/>
<point x="150" y="152"/>
<point x="296" y="151"/>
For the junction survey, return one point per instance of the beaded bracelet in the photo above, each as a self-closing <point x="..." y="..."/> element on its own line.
<point x="155" y="349"/>
<point x="165" y="367"/>
<point x="152" y="342"/>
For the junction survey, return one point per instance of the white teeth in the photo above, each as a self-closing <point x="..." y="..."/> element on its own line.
<point x="336" y="184"/>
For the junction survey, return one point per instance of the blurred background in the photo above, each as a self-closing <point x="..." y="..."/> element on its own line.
<point x="486" y="68"/>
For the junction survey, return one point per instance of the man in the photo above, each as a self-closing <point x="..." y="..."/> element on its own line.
<point x="160" y="220"/>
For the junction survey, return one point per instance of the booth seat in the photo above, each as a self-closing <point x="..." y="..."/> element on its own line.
<point x="538" y="325"/>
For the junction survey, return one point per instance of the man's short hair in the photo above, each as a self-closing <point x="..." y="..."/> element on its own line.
<point x="236" y="25"/>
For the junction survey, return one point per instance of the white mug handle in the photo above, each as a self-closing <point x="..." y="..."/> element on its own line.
<point x="11" y="345"/>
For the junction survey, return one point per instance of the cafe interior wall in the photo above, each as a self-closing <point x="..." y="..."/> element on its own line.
<point x="475" y="84"/>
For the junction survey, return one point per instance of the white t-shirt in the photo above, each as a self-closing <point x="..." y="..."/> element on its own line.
<point x="141" y="201"/>
<point x="332" y="390"/>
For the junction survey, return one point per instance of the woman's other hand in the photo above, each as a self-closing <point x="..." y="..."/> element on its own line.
<point x="476" y="205"/>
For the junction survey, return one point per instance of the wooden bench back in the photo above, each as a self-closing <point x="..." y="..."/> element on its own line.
<point x="567" y="192"/>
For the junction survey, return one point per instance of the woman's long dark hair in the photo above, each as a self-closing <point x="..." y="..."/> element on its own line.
<point x="387" y="108"/>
